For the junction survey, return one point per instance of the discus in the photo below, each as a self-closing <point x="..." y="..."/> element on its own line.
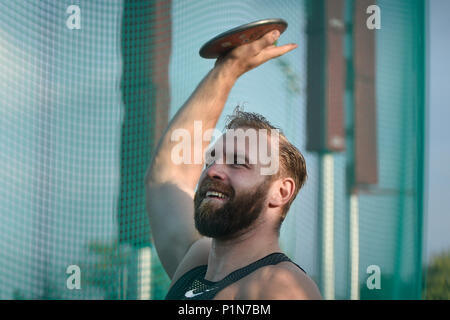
<point x="243" y="34"/>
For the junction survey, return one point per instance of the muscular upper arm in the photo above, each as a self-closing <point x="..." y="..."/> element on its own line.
<point x="170" y="210"/>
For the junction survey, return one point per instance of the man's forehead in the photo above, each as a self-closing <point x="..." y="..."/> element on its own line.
<point x="242" y="138"/>
<point x="252" y="146"/>
<point x="245" y="142"/>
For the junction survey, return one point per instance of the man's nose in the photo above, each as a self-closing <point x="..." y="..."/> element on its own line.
<point x="216" y="171"/>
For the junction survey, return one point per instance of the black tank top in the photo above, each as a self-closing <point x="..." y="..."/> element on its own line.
<point x="193" y="286"/>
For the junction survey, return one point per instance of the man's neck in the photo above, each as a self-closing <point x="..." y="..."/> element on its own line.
<point x="228" y="256"/>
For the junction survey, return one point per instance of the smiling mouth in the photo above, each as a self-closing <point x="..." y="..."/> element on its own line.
<point x="215" y="195"/>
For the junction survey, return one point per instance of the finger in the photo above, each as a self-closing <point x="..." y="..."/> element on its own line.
<point x="267" y="40"/>
<point x="274" y="52"/>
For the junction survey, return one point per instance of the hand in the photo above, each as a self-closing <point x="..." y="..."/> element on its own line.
<point x="248" y="56"/>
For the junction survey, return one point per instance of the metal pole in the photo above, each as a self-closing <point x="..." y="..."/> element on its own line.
<point x="144" y="273"/>
<point x="354" y="247"/>
<point x="328" y="272"/>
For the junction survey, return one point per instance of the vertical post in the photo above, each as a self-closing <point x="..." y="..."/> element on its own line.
<point x="325" y="116"/>
<point x="354" y="247"/>
<point x="146" y="46"/>
<point x="364" y="112"/>
<point x="364" y="168"/>
<point x="327" y="194"/>
<point x="144" y="273"/>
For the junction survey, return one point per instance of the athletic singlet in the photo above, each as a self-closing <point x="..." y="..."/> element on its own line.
<point x="193" y="286"/>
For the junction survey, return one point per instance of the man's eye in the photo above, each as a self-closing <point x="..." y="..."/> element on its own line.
<point x="239" y="162"/>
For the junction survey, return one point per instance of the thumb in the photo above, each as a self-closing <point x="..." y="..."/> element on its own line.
<point x="273" y="51"/>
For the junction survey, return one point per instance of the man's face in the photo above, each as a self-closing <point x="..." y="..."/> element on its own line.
<point x="230" y="196"/>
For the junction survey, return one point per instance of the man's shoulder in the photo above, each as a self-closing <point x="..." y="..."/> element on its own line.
<point x="283" y="281"/>
<point x="196" y="256"/>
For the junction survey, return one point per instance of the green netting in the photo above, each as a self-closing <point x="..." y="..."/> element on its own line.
<point x="78" y="119"/>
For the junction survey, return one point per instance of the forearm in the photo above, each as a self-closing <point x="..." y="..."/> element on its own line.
<point x="205" y="105"/>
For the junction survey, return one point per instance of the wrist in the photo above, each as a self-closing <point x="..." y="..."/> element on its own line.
<point x="226" y="71"/>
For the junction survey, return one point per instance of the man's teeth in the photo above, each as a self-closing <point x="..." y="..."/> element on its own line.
<point x="215" y="194"/>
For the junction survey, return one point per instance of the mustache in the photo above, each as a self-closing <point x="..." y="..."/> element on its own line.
<point x="209" y="184"/>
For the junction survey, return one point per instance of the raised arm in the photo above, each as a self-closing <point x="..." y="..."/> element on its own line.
<point x="170" y="187"/>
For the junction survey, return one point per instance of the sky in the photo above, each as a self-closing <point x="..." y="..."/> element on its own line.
<point x="437" y="233"/>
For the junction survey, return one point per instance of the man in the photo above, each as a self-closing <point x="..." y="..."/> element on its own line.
<point x="221" y="240"/>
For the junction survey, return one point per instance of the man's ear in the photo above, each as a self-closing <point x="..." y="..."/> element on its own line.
<point x="281" y="192"/>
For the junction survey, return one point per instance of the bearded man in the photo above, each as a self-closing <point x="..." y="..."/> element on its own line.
<point x="216" y="225"/>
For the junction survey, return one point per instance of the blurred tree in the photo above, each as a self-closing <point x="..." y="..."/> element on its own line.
<point x="392" y="288"/>
<point x="437" y="285"/>
<point x="105" y="272"/>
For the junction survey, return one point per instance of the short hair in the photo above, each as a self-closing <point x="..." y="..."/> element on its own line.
<point x="292" y="162"/>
